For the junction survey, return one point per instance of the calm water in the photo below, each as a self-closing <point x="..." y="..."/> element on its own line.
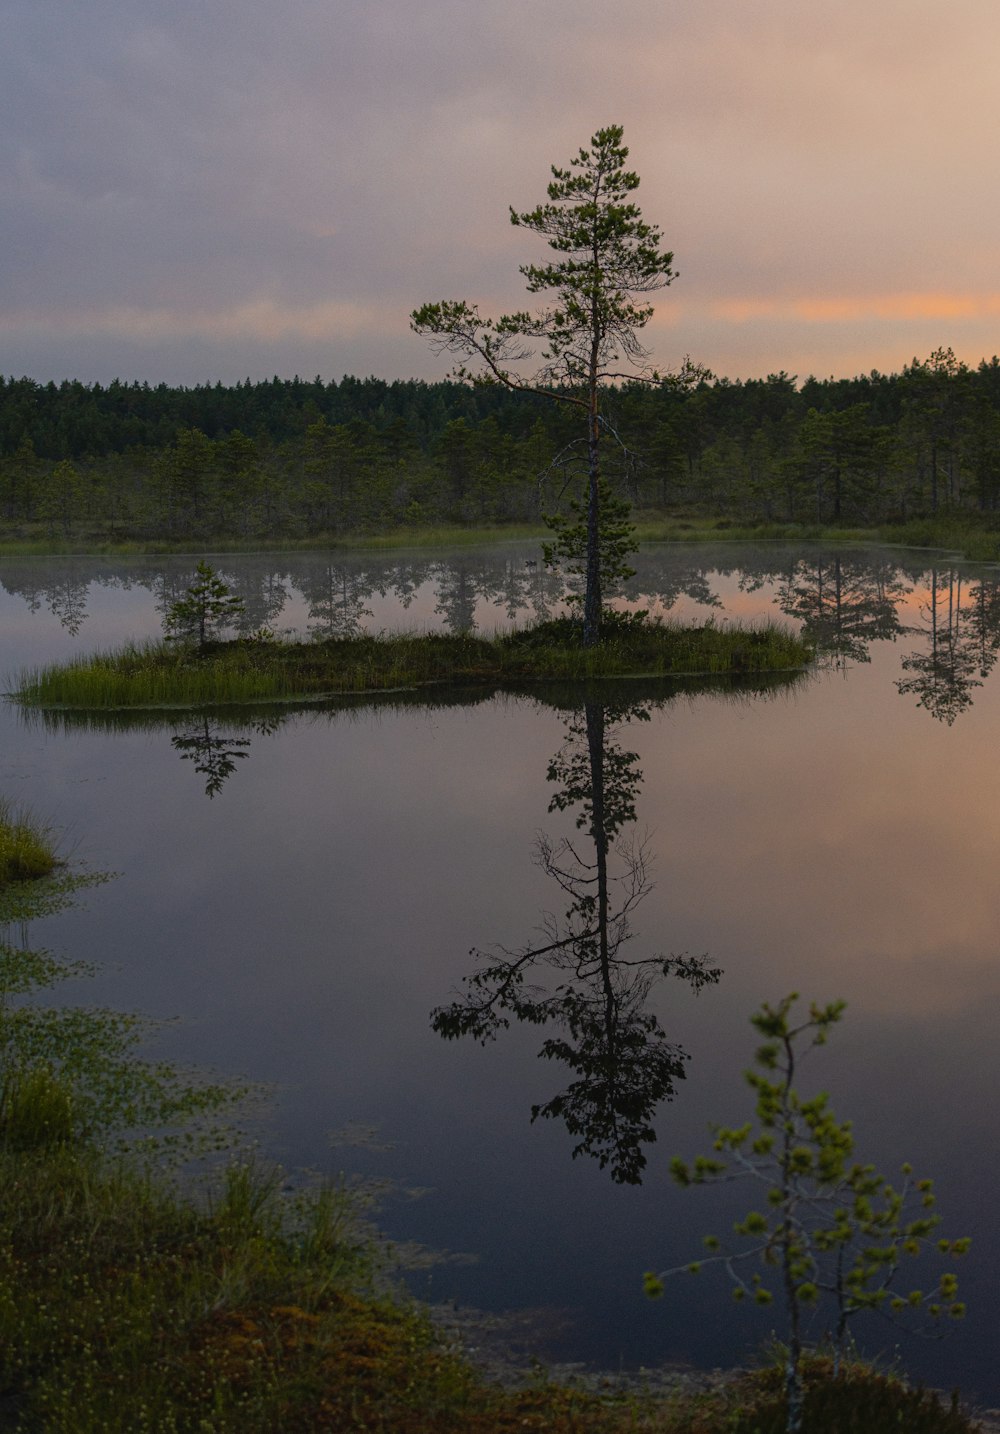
<point x="839" y="836"/>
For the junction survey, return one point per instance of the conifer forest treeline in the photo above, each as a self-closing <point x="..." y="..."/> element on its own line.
<point x="288" y="458"/>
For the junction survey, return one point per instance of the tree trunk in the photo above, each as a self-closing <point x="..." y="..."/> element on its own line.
<point x="592" y="598"/>
<point x="592" y="601"/>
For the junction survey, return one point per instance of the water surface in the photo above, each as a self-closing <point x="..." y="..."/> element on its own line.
<point x="838" y="835"/>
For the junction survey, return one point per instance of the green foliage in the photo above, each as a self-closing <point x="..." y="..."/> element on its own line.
<point x="206" y="610"/>
<point x="36" y="1109"/>
<point x="75" y="1072"/>
<point x="167" y="466"/>
<point x="832" y="1227"/>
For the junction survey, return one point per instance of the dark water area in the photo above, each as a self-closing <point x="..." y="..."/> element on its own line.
<point x="302" y="892"/>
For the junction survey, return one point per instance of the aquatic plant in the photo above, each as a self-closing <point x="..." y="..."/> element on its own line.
<point x="86" y="1061"/>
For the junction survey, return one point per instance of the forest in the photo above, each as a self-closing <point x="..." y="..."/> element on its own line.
<point x="286" y="458"/>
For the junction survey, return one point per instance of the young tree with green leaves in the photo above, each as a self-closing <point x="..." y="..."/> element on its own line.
<point x="207" y="608"/>
<point x="609" y="258"/>
<point x="828" y="1224"/>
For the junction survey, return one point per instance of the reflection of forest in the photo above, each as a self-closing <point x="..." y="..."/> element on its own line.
<point x="337" y="594"/>
<point x="581" y="982"/>
<point x="844" y="599"/>
<point x="961" y="627"/>
<point x="844" y="604"/>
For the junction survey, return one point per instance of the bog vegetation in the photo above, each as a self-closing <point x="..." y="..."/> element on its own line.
<point x="27" y="849"/>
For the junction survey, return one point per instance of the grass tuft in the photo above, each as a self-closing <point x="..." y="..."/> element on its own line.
<point x="857" y="1399"/>
<point x="27" y="850"/>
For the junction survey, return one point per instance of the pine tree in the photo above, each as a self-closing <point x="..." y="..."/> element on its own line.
<point x="609" y="257"/>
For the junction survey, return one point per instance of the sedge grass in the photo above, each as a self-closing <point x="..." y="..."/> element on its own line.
<point x="27" y="849"/>
<point x="971" y="536"/>
<point x="260" y="672"/>
<point x="975" y="536"/>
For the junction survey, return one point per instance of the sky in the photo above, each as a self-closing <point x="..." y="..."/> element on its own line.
<point x="195" y="191"/>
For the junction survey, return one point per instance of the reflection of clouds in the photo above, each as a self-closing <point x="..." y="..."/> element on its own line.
<point x="840" y="842"/>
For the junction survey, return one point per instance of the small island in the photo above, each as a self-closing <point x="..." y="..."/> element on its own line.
<point x="262" y="669"/>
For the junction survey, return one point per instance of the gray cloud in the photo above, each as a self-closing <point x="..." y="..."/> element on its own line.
<point x="193" y="190"/>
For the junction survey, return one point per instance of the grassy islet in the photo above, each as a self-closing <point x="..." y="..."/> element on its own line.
<point x="266" y="670"/>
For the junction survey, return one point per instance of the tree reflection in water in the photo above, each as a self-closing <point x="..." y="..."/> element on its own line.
<point x="213" y="750"/>
<point x="844" y="604"/>
<point x="581" y="982"/>
<point x="962" y="627"/>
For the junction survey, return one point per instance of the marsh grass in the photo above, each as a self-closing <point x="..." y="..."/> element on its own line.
<point x="27" y="847"/>
<point x="971" y="536"/>
<point x="268" y="671"/>
<point x="97" y="542"/>
<point x="125" y="1306"/>
<point x="857" y="1399"/>
<point x="36" y="1110"/>
<point x="975" y="536"/>
<point x="78" y="1071"/>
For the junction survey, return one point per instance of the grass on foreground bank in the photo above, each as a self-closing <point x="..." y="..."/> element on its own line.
<point x="125" y="1307"/>
<point x="267" y="670"/>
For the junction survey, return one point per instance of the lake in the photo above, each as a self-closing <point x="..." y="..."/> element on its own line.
<point x="302" y="893"/>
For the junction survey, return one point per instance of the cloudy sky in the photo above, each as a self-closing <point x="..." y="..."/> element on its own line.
<point x="193" y="190"/>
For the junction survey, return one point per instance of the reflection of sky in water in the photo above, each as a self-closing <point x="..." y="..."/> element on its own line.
<point x="836" y="840"/>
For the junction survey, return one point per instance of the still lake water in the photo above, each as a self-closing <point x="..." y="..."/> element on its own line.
<point x="839" y="836"/>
